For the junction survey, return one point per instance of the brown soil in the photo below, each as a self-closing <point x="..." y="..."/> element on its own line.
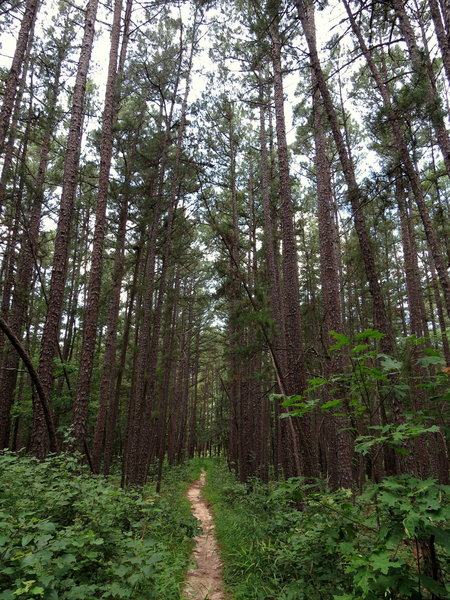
<point x="204" y="582"/>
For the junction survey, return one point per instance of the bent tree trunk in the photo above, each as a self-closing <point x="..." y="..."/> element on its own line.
<point x="43" y="398"/>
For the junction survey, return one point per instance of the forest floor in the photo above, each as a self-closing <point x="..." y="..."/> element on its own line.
<point x="204" y="581"/>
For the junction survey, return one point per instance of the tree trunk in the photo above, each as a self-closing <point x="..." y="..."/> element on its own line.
<point x="423" y="69"/>
<point x="441" y="35"/>
<point x="10" y="87"/>
<point x="26" y="261"/>
<point x="355" y="195"/>
<point x="339" y="440"/>
<point x="109" y="359"/>
<point x="81" y="403"/>
<point x="10" y="145"/>
<point x="137" y="461"/>
<point x="399" y="142"/>
<point x="43" y="399"/>
<point x="302" y="450"/>
<point x="50" y="334"/>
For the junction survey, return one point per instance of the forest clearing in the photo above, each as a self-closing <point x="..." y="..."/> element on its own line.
<point x="224" y="299"/>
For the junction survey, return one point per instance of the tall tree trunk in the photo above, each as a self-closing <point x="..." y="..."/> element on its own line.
<point x="25" y="265"/>
<point x="382" y="322"/>
<point x="109" y="358"/>
<point x="10" y="87"/>
<point x="416" y="306"/>
<point x="10" y="145"/>
<point x="50" y="334"/>
<point x="81" y="403"/>
<point x="401" y="146"/>
<point x="119" y="371"/>
<point x="423" y="69"/>
<point x="137" y="461"/>
<point x="339" y="440"/>
<point x="441" y="35"/>
<point x="132" y="470"/>
<point x="302" y="451"/>
<point x="237" y="398"/>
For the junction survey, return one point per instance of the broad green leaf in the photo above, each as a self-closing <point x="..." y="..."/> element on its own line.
<point x="369" y="334"/>
<point x="38" y="590"/>
<point x="389" y="364"/>
<point x="382" y="562"/>
<point x="331" y="404"/>
<point x="286" y="415"/>
<point x="293" y="400"/>
<point x="411" y="523"/>
<point x="426" y="361"/>
<point x="341" y="340"/>
<point x="360" y="348"/>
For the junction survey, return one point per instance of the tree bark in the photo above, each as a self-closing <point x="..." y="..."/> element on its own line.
<point x="302" y="452"/>
<point x="50" y="334"/>
<point x="109" y="359"/>
<point x="81" y="403"/>
<point x="43" y="399"/>
<point x="382" y="322"/>
<point x="339" y="439"/>
<point x="25" y="265"/>
<point x="10" y="87"/>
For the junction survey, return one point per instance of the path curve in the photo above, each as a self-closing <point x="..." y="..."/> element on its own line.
<point x="204" y="582"/>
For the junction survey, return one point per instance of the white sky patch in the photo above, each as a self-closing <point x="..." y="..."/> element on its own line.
<point x="329" y="21"/>
<point x="203" y="66"/>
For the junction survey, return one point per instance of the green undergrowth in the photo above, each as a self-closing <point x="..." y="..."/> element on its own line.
<point x="68" y="535"/>
<point x="298" y="541"/>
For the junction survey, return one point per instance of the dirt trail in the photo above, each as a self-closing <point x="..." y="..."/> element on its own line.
<point x="205" y="581"/>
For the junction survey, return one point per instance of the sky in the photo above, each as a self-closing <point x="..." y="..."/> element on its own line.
<point x="327" y="21"/>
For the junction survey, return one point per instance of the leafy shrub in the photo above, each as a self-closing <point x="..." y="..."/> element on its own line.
<point x="67" y="535"/>
<point x="391" y="542"/>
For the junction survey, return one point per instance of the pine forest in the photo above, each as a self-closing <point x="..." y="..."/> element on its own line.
<point x="224" y="299"/>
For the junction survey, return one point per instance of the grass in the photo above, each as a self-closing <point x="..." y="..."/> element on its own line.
<point x="241" y="521"/>
<point x="296" y="540"/>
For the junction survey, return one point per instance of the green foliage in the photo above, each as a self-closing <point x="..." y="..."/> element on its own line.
<point x="393" y="435"/>
<point x="370" y="377"/>
<point x="296" y="541"/>
<point x="67" y="535"/>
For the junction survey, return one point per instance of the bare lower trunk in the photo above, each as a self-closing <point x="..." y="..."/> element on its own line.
<point x="109" y="358"/>
<point x="339" y="447"/>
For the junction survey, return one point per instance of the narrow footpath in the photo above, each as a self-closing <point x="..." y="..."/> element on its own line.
<point x="204" y="582"/>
